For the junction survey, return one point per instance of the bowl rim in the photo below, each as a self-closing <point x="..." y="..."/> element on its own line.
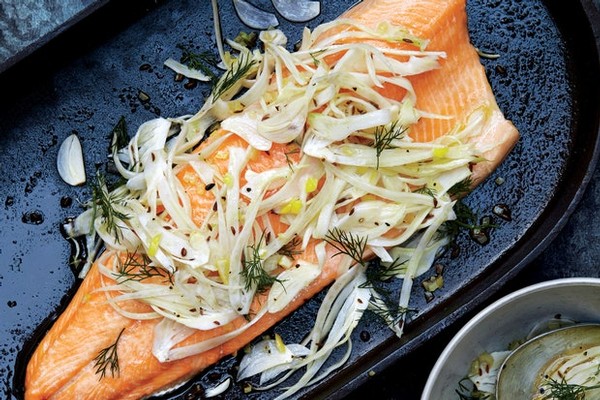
<point x="473" y="322"/>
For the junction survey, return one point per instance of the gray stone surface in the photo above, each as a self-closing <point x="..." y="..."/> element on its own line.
<point x="26" y="23"/>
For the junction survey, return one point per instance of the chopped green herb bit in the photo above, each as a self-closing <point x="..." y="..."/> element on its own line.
<point x="433" y="283"/>
<point x="246" y="39"/>
<point x="119" y="135"/>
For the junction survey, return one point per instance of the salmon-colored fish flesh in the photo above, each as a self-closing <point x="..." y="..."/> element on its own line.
<point x="62" y="367"/>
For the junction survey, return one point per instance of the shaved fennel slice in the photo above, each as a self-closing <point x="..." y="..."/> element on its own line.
<point x="382" y="253"/>
<point x="304" y="219"/>
<point x="268" y="354"/>
<point x="203" y="322"/>
<point x="268" y="180"/>
<point x="414" y="66"/>
<point x="334" y="129"/>
<point x="246" y="125"/>
<point x="339" y="314"/>
<point x="287" y="123"/>
<point x="273" y="37"/>
<point x="413" y="263"/>
<point x="402" y="255"/>
<point x="307" y="167"/>
<point x="353" y="178"/>
<point x="167" y="334"/>
<point x="327" y="211"/>
<point x="383" y="30"/>
<point x="186" y="71"/>
<point x="253" y="16"/>
<point x="372" y="218"/>
<point x="151" y="136"/>
<point x="126" y="238"/>
<point x="217" y="27"/>
<point x="446" y="180"/>
<point x="485" y="378"/>
<point x="200" y="347"/>
<point x="293" y="280"/>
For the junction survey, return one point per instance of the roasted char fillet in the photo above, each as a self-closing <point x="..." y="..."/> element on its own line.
<point x="62" y="367"/>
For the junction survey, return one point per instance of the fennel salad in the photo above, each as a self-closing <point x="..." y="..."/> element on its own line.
<point x="561" y="362"/>
<point x="354" y="186"/>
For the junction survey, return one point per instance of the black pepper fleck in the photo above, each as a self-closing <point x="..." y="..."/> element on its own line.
<point x="66" y="201"/>
<point x="191" y="84"/>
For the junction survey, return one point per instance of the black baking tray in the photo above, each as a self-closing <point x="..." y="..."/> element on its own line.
<point x="546" y="81"/>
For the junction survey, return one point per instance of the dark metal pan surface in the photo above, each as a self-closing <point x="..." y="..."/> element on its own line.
<point x="546" y="81"/>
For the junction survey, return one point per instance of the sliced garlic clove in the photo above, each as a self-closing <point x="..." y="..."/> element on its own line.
<point x="253" y="16"/>
<point x="298" y="11"/>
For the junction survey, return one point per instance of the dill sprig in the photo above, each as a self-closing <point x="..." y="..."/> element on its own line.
<point x="388" y="309"/>
<point x="466" y="219"/>
<point x="108" y="358"/>
<point x="137" y="267"/>
<point x="385" y="135"/>
<point x="347" y="243"/>
<point x="253" y="273"/>
<point x="103" y="203"/>
<point x="238" y="70"/>
<point x="119" y="136"/>
<point x="199" y="61"/>
<point x="290" y="249"/>
<point x="426" y="190"/>
<point x="383" y="303"/>
<point x="565" y="391"/>
<point x="461" y="188"/>
<point x="377" y="272"/>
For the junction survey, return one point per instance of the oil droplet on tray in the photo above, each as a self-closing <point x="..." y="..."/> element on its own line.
<point x="33" y="217"/>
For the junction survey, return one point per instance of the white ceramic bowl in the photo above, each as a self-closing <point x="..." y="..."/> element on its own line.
<point x="506" y="320"/>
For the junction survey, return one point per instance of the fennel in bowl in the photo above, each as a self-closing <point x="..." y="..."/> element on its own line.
<point x="470" y="363"/>
<point x="562" y="363"/>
